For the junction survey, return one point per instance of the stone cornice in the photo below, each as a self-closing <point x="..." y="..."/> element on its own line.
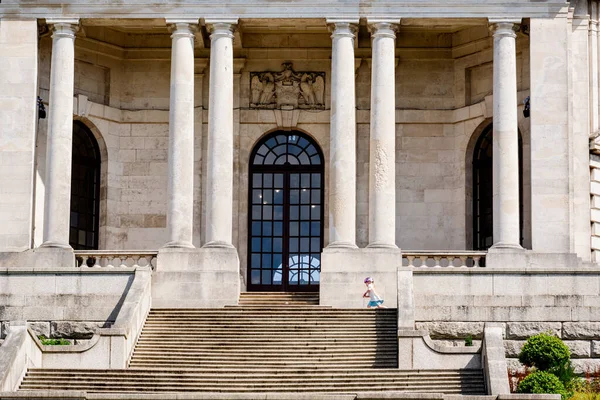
<point x="281" y="8"/>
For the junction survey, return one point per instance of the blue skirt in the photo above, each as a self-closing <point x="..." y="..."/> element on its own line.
<point x="374" y="303"/>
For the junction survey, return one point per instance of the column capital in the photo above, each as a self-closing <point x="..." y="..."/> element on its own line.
<point x="221" y="27"/>
<point x="64" y="27"/>
<point x="343" y="27"/>
<point x="504" y="26"/>
<point x="383" y="27"/>
<point x="182" y="27"/>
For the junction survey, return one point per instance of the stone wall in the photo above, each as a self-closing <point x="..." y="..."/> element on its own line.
<point x="18" y="117"/>
<point x="451" y="305"/>
<point x="62" y="303"/>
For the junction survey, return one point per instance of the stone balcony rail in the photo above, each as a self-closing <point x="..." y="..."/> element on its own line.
<point x="112" y="258"/>
<point x="439" y="259"/>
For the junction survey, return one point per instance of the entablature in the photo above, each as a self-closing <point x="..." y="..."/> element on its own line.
<point x="283" y="9"/>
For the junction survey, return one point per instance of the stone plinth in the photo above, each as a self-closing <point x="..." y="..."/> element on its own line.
<point x="206" y="277"/>
<point x="343" y="272"/>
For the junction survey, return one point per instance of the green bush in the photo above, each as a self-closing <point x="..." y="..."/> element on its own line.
<point x="542" y="382"/>
<point x="53" y="342"/>
<point x="546" y="353"/>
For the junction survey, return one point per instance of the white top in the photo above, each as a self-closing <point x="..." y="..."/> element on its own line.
<point x="372" y="294"/>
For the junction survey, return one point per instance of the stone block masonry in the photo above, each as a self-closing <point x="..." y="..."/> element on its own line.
<point x="564" y="303"/>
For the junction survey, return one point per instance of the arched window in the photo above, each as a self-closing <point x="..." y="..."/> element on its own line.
<point x="85" y="189"/>
<point x="285" y="216"/>
<point x="483" y="191"/>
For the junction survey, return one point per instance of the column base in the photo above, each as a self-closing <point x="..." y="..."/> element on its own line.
<point x="174" y="245"/>
<point x="57" y="245"/>
<point x="218" y="245"/>
<point x="381" y="245"/>
<point x="507" y="246"/>
<point x="342" y="245"/>
<point x="196" y="278"/>
<point x="343" y="271"/>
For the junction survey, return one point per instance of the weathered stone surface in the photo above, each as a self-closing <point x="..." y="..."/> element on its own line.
<point x="595" y="348"/>
<point x="456" y="343"/>
<point x="74" y="330"/>
<point x="513" y="347"/>
<point x="579" y="348"/>
<point x="452" y="330"/>
<point x="586" y="366"/>
<point x="523" y="330"/>
<point x="40" y="328"/>
<point x="581" y="330"/>
<point x="514" y="365"/>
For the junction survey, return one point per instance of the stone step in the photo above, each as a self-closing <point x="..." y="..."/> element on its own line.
<point x="267" y="372"/>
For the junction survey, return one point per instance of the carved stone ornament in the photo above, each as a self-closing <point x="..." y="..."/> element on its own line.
<point x="288" y="88"/>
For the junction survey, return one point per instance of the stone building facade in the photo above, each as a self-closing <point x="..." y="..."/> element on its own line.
<point x="275" y="146"/>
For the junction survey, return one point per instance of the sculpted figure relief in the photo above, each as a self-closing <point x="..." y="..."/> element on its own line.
<point x="305" y="90"/>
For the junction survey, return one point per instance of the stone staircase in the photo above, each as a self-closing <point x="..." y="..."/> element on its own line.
<point x="269" y="343"/>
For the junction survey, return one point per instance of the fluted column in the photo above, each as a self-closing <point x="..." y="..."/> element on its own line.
<point x="180" y="211"/>
<point x="382" y="147"/>
<point x="505" y="137"/>
<point x="60" y="134"/>
<point x="219" y="197"/>
<point x="342" y="166"/>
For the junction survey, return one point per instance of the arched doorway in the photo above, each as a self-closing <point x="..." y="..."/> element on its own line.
<point x="285" y="216"/>
<point x="85" y="189"/>
<point x="483" y="190"/>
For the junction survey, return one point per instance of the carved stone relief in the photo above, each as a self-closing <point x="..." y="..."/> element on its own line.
<point x="288" y="88"/>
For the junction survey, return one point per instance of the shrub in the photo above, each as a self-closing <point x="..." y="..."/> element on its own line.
<point x="546" y="353"/>
<point x="53" y="342"/>
<point x="542" y="382"/>
<point x="469" y="341"/>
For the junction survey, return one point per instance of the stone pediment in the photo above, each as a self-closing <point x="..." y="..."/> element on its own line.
<point x="287" y="89"/>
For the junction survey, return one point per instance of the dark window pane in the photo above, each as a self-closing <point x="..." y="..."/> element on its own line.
<point x="256" y="212"/>
<point x="294" y="212"/>
<point x="315" y="244"/>
<point x="267" y="212"/>
<point x="278" y="196"/>
<point x="268" y="180"/>
<point x="256" y="229"/>
<point x="294" y="180"/>
<point x="278" y="245"/>
<point x="315" y="196"/>
<point x="305" y="196"/>
<point x="316" y="180"/>
<point x="293" y="245"/>
<point x="315" y="212"/>
<point x="257" y="180"/>
<point x="256" y="197"/>
<point x="266" y="277"/>
<point x="304" y="245"/>
<point x="255" y="277"/>
<point x="256" y="244"/>
<point x="266" y="261"/>
<point x="315" y="229"/>
<point x="304" y="212"/>
<point x="266" y="245"/>
<point x="294" y="196"/>
<point x="267" y="228"/>
<point x="255" y="261"/>
<point x="267" y="197"/>
<point x="305" y="181"/>
<point x="277" y="229"/>
<point x="278" y="181"/>
<point x="278" y="213"/>
<point x="294" y="228"/>
<point x="305" y="228"/>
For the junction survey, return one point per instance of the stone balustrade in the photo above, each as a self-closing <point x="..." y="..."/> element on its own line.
<point x="438" y="259"/>
<point x="112" y="258"/>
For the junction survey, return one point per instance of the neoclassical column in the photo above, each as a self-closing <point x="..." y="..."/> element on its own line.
<point x="382" y="145"/>
<point x="219" y="198"/>
<point x="342" y="165"/>
<point x="180" y="208"/>
<point x="505" y="136"/>
<point x="60" y="134"/>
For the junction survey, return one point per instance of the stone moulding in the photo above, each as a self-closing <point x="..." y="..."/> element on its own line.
<point x="287" y="89"/>
<point x="284" y="9"/>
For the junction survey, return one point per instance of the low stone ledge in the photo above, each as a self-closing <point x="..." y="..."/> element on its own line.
<point x="74" y="329"/>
